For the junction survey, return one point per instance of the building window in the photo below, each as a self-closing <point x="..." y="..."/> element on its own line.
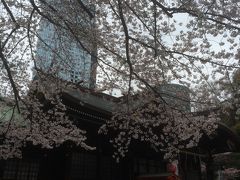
<point x="21" y="170"/>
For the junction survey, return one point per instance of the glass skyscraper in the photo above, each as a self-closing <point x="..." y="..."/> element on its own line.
<point x="59" y="52"/>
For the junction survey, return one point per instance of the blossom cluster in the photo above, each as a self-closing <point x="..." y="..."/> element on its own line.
<point x="154" y="122"/>
<point x="231" y="173"/>
<point x="42" y="121"/>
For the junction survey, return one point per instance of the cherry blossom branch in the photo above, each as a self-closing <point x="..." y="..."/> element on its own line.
<point x="29" y="38"/>
<point x="10" y="120"/>
<point x="85" y="8"/>
<point x="138" y="17"/>
<point x="171" y="11"/>
<point x="9" y="12"/>
<point x="165" y="10"/>
<point x="43" y="15"/>
<point x="126" y="44"/>
<point x="9" y="73"/>
<point x="14" y="21"/>
<point x="190" y="57"/>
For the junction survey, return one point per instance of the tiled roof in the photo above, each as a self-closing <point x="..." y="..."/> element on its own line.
<point x="98" y="100"/>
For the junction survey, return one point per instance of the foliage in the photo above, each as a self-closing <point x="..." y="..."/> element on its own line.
<point x="162" y="127"/>
<point x="230" y="107"/>
<point x="231" y="173"/>
<point x="43" y="121"/>
<point x="140" y="44"/>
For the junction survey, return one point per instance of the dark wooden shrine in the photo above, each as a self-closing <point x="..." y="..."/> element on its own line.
<point x="89" y="110"/>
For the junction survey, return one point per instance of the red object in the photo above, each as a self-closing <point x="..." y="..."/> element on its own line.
<point x="158" y="177"/>
<point x="171" y="168"/>
<point x="153" y="177"/>
<point x="173" y="177"/>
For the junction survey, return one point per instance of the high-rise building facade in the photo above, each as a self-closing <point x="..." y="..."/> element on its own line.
<point x="68" y="56"/>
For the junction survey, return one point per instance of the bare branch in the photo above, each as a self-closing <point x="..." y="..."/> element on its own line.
<point x="9" y="12"/>
<point x="9" y="73"/>
<point x="86" y="9"/>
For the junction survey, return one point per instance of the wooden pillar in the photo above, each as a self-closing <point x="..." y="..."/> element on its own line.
<point x="99" y="158"/>
<point x="209" y="168"/>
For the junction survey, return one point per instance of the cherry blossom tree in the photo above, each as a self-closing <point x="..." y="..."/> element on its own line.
<point x="231" y="173"/>
<point x="141" y="44"/>
<point x="42" y="120"/>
